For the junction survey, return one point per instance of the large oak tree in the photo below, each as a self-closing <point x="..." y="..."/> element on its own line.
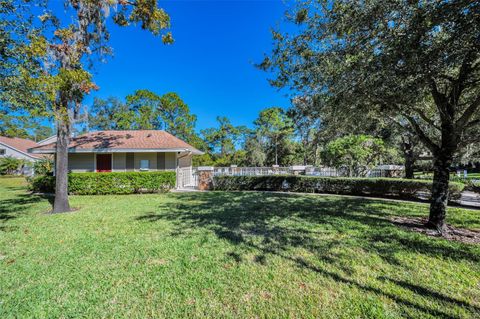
<point x="414" y="62"/>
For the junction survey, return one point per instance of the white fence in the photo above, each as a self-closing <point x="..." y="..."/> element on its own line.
<point x="187" y="177"/>
<point x="250" y="171"/>
<point x="306" y="170"/>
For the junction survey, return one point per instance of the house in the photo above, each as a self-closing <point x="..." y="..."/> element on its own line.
<point x="18" y="148"/>
<point x="48" y="140"/>
<point x="125" y="151"/>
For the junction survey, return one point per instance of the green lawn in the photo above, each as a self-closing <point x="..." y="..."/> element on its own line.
<point x="221" y="254"/>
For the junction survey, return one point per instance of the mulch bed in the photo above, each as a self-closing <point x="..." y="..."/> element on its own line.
<point x="453" y="233"/>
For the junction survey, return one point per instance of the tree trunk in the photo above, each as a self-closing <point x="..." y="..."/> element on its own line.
<point x="276" y="151"/>
<point x="440" y="192"/>
<point x="305" y="153"/>
<point x="409" y="160"/>
<point x="61" y="168"/>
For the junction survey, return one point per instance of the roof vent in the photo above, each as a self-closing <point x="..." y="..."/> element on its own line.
<point x="149" y="135"/>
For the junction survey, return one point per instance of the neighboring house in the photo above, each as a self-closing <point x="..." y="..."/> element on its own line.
<point x="18" y="148"/>
<point x="125" y="151"/>
<point x="48" y="140"/>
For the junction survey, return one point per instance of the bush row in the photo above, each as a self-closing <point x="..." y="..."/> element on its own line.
<point x="391" y="187"/>
<point x="108" y="183"/>
<point x="472" y="183"/>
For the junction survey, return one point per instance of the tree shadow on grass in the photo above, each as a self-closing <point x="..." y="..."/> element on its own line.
<point x="278" y="224"/>
<point x="12" y="208"/>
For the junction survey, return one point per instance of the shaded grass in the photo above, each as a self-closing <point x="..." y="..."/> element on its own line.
<point x="229" y="254"/>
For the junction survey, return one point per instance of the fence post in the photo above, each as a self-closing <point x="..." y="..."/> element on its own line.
<point x="233" y="169"/>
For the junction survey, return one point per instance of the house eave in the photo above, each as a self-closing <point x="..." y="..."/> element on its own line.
<point x="118" y="150"/>
<point x="21" y="152"/>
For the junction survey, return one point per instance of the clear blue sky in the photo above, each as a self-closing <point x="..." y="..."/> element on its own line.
<point x="210" y="65"/>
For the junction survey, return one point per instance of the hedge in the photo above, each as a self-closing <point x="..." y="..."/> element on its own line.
<point x="472" y="183"/>
<point x="108" y="183"/>
<point x="381" y="187"/>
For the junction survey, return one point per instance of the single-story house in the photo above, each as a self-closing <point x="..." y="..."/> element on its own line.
<point x="125" y="151"/>
<point x="18" y="148"/>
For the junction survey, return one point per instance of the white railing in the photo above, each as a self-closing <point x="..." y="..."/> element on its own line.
<point x="187" y="177"/>
<point x="250" y="171"/>
<point x="304" y="170"/>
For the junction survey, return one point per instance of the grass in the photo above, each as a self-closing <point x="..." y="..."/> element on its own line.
<point x="230" y="255"/>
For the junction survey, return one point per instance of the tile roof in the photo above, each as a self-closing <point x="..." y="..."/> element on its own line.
<point x="121" y="140"/>
<point x="19" y="144"/>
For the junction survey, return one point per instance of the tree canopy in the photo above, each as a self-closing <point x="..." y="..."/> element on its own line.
<point x="64" y="47"/>
<point x="415" y="63"/>
<point x="357" y="154"/>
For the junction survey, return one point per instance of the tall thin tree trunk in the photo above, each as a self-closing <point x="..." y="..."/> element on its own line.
<point x="276" y="151"/>
<point x="305" y="153"/>
<point x="409" y="160"/>
<point x="61" y="203"/>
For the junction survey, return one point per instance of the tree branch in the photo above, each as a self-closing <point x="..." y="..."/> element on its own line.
<point x="421" y="134"/>
<point x="472" y="123"/>
<point x="463" y="120"/>
<point x="460" y="83"/>
<point x="426" y="118"/>
<point x="440" y="100"/>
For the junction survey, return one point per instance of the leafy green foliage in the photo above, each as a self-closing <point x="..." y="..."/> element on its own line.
<point x="18" y="60"/>
<point x="109" y="183"/>
<point x="224" y="139"/>
<point x="145" y="105"/>
<point x="357" y="154"/>
<point x="145" y="110"/>
<point x="23" y="126"/>
<point x="381" y="187"/>
<point x="413" y="65"/>
<point x="110" y="114"/>
<point x="44" y="167"/>
<point x="9" y="165"/>
<point x="276" y="128"/>
<point x="176" y="116"/>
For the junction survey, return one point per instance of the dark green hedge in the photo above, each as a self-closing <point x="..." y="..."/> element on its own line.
<point x="109" y="183"/>
<point x="381" y="187"/>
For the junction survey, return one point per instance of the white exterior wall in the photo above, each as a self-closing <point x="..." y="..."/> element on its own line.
<point x="81" y="162"/>
<point x="152" y="157"/>
<point x="119" y="162"/>
<point x="86" y="162"/>
<point x="11" y="152"/>
<point x="170" y="161"/>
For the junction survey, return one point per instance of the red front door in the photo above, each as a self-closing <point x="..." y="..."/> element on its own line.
<point x="104" y="162"/>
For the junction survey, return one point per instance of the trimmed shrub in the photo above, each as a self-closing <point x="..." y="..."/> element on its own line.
<point x="381" y="187"/>
<point x="473" y="185"/>
<point x="42" y="183"/>
<point x="109" y="183"/>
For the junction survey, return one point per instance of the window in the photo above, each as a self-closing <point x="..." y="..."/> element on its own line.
<point x="2" y="151"/>
<point x="144" y="165"/>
